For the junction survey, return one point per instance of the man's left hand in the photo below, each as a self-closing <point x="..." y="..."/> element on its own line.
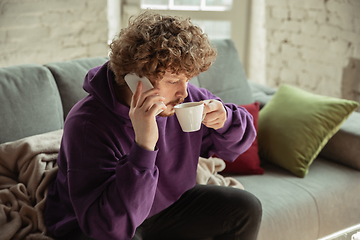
<point x="215" y="114"/>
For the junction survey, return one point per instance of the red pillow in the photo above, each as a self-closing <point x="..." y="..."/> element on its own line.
<point x="248" y="162"/>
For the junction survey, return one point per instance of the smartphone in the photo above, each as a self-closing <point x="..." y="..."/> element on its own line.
<point x="132" y="79"/>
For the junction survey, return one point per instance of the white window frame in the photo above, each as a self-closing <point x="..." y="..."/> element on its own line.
<point x="172" y="6"/>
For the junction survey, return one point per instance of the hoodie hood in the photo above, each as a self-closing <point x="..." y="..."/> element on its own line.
<point x="99" y="83"/>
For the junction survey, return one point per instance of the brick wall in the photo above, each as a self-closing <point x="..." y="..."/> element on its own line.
<point x="308" y="43"/>
<point x="42" y="31"/>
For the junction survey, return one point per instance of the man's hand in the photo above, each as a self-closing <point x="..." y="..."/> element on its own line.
<point x="215" y="114"/>
<point x="143" y="109"/>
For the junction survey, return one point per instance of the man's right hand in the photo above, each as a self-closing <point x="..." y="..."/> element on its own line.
<point x="143" y="109"/>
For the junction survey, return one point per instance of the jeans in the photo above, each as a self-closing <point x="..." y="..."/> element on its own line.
<point x="205" y="212"/>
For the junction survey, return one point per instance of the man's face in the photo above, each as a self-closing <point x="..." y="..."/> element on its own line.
<point x="174" y="89"/>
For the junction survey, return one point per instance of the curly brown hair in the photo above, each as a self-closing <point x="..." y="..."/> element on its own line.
<point x="155" y="43"/>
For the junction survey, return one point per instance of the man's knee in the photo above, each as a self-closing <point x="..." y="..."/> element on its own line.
<point x="247" y="206"/>
<point x="255" y="205"/>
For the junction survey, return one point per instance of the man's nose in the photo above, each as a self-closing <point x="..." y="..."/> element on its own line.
<point x="182" y="90"/>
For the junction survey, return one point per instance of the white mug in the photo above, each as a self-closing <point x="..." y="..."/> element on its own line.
<point x="190" y="115"/>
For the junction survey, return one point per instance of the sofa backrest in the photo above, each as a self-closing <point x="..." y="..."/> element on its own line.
<point x="36" y="99"/>
<point x="29" y="102"/>
<point x="226" y="77"/>
<point x="69" y="77"/>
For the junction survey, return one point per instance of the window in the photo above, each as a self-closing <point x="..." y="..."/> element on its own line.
<point x="220" y="19"/>
<point x="216" y="29"/>
<point x="188" y="5"/>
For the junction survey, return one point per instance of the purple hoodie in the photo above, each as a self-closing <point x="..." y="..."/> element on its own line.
<point x="107" y="185"/>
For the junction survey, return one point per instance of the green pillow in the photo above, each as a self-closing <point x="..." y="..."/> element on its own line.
<point x="295" y="125"/>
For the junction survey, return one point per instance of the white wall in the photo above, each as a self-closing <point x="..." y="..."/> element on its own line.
<point x="308" y="43"/>
<point x="42" y="31"/>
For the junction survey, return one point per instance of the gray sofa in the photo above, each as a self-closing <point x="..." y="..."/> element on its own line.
<point x="35" y="99"/>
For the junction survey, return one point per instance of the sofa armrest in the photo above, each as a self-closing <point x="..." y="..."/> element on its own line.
<point x="261" y="93"/>
<point x="343" y="147"/>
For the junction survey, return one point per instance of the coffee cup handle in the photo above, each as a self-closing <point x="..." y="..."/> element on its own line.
<point x="204" y="115"/>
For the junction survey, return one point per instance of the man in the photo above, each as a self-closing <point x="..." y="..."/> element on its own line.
<point x="125" y="173"/>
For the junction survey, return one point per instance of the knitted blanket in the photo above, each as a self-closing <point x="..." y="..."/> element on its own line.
<point x="27" y="166"/>
<point x="208" y="173"/>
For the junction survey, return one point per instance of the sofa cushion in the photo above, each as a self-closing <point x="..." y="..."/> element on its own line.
<point x="226" y="77"/>
<point x="30" y="102"/>
<point x="343" y="147"/>
<point x="249" y="161"/>
<point x="324" y="202"/>
<point x="69" y="76"/>
<point x="261" y="93"/>
<point x="295" y="125"/>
